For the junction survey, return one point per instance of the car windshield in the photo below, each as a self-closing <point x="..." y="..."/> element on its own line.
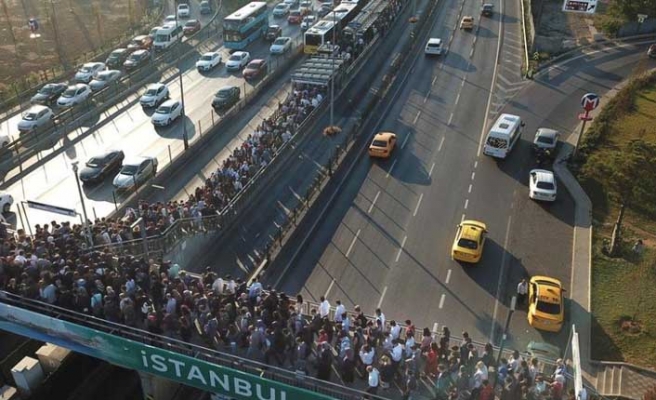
<point x="379" y="143"/>
<point x="545" y="140"/>
<point x="223" y="93"/>
<point x="135" y="43"/>
<point x="254" y="65"/>
<point x="295" y="14"/>
<point x="47" y="89"/>
<point x="129" y="170"/>
<point x="29" y="116"/>
<point x="151" y="92"/>
<point x="545" y="185"/>
<point x="70" y="92"/>
<point x="280" y="41"/>
<point x="281" y="6"/>
<point x="95" y="162"/>
<point x="467" y="244"/>
<point x="183" y="7"/>
<point x="86" y="69"/>
<point x="207" y="57"/>
<point x="548" y="308"/>
<point x="135" y="57"/>
<point x="235" y="57"/>
<point x="103" y="77"/>
<point x="163" y="110"/>
<point x="191" y="23"/>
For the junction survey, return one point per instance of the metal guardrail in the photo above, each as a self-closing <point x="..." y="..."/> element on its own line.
<point x="30" y="143"/>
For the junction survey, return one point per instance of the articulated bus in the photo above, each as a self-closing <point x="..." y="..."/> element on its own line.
<point x="362" y="24"/>
<point x="245" y="25"/>
<point x="322" y="32"/>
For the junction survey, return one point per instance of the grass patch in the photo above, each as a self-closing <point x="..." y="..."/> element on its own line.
<point x="623" y="288"/>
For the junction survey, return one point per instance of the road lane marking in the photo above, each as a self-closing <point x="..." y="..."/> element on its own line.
<point x="371" y="207"/>
<point x="492" y="83"/>
<point x="390" y="170"/>
<point x="473" y="175"/>
<point x="416" y="117"/>
<point x="332" y="282"/>
<point x="470" y="188"/>
<point x="450" y="119"/>
<point x="421" y="196"/>
<point x="432" y="166"/>
<point x="382" y="296"/>
<point x="439" y="148"/>
<point x="462" y="218"/>
<point x="500" y="280"/>
<point x="405" y="141"/>
<point x="448" y="276"/>
<point x="352" y="243"/>
<point x="457" y="99"/>
<point x="434" y="79"/>
<point x="475" y="164"/>
<point x="462" y="84"/>
<point x="426" y="97"/>
<point x="436" y="325"/>
<point x="442" y="300"/>
<point x="466" y="203"/>
<point x="471" y="52"/>
<point x="398" y="255"/>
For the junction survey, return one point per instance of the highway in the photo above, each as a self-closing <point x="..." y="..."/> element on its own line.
<point x="129" y="128"/>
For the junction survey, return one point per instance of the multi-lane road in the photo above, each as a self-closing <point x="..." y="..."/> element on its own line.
<point x="127" y="127"/>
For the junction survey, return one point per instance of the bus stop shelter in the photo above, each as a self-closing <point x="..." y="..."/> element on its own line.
<point x="319" y="71"/>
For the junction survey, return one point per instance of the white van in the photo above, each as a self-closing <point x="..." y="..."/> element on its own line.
<point x="503" y="136"/>
<point x="434" y="46"/>
<point x="167" y="35"/>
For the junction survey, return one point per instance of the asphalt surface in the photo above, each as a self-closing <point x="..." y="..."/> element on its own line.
<point x="129" y="128"/>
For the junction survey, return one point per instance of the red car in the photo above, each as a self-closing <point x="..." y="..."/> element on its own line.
<point x="255" y="69"/>
<point x="192" y="26"/>
<point x="295" y="17"/>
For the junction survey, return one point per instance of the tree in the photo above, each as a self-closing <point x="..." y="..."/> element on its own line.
<point x="628" y="176"/>
<point x="629" y="9"/>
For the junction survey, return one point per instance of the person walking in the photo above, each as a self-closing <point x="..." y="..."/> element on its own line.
<point x="522" y="290"/>
<point x="373" y="380"/>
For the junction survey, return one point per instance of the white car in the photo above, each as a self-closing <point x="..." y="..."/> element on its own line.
<point x="88" y="71"/>
<point x="208" y="61"/>
<point x="281" y="9"/>
<point x="166" y="113"/>
<point x="306" y="7"/>
<point x="74" y="95"/>
<point x="154" y="95"/>
<point x="104" y="79"/>
<point x="5" y="139"/>
<point x="281" y="45"/>
<point x="183" y="10"/>
<point x="169" y="19"/>
<point x="434" y="47"/>
<point x="308" y="21"/>
<point x="542" y="185"/>
<point x="5" y="202"/>
<point x="238" y="60"/>
<point x="135" y="171"/>
<point x="34" y="118"/>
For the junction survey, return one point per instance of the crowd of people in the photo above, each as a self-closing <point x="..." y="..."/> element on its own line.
<point x="326" y="341"/>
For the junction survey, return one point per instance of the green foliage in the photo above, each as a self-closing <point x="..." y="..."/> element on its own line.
<point x="609" y="24"/>
<point x="629" y="9"/>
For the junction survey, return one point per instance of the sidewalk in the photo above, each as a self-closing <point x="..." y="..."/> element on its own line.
<point x="581" y="315"/>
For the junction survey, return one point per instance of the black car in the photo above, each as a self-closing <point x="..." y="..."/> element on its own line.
<point x="117" y="58"/>
<point x="101" y="166"/>
<point x="226" y="97"/>
<point x="273" y="33"/>
<point x="49" y="93"/>
<point x="487" y="9"/>
<point x="137" y="59"/>
<point x="652" y="51"/>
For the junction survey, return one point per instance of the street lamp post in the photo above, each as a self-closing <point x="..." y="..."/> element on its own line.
<point x="185" y="137"/>
<point x="142" y="229"/>
<point x="84" y="208"/>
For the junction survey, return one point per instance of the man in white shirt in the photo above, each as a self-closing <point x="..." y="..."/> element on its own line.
<point x="254" y="290"/>
<point x="367" y="354"/>
<point x="397" y="355"/>
<point x="522" y="290"/>
<point x="380" y="316"/>
<point x="217" y="286"/>
<point x="339" y="310"/>
<point x="324" y="307"/>
<point x="374" y="379"/>
<point x="395" y="330"/>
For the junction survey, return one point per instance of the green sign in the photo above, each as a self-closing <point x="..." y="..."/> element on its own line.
<point x="133" y="355"/>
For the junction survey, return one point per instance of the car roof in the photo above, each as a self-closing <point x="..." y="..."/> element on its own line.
<point x="156" y="85"/>
<point x="274" y="26"/>
<point x="257" y="61"/>
<point x="104" y="154"/>
<point x="135" y="160"/>
<point x="549" y="290"/>
<point x="472" y="229"/>
<point x="37" y="108"/>
<point x="140" y="37"/>
<point x="79" y="85"/>
<point x="169" y="103"/>
<point x="92" y="64"/>
<point x="543" y="175"/>
<point x="434" y="41"/>
<point x="141" y="51"/>
<point x="210" y="53"/>
<point x="121" y="50"/>
<point x="383" y="135"/>
<point x="239" y="53"/>
<point x="548" y="132"/>
<point x="226" y="88"/>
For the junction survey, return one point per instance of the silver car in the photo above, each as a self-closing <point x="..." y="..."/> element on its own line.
<point x="134" y="172"/>
<point x="104" y="79"/>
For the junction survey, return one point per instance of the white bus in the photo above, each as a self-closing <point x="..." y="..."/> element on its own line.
<point x="167" y="35"/>
<point x="503" y="136"/>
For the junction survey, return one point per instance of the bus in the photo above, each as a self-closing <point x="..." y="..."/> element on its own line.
<point x="318" y="35"/>
<point x="362" y="24"/>
<point x="322" y="31"/>
<point x="245" y="25"/>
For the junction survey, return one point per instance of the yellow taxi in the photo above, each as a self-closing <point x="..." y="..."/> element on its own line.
<point x="469" y="241"/>
<point x="546" y="309"/>
<point x="382" y="145"/>
<point x="467" y="22"/>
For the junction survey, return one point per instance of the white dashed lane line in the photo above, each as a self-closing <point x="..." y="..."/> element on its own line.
<point x="355" y="238"/>
<point x="466" y="203"/>
<point x="421" y="196"/>
<point x="373" y="203"/>
<point x="391" y="169"/>
<point x="382" y="296"/>
<point x="398" y="255"/>
<point x="448" y="276"/>
<point x="416" y="117"/>
<point x="405" y="141"/>
<point x="439" y="148"/>
<point x="430" y="172"/>
<point x="442" y="300"/>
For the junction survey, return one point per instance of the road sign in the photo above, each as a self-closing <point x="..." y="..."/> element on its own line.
<point x="589" y="101"/>
<point x="580" y="6"/>
<point x="642" y="18"/>
<point x="50" y="208"/>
